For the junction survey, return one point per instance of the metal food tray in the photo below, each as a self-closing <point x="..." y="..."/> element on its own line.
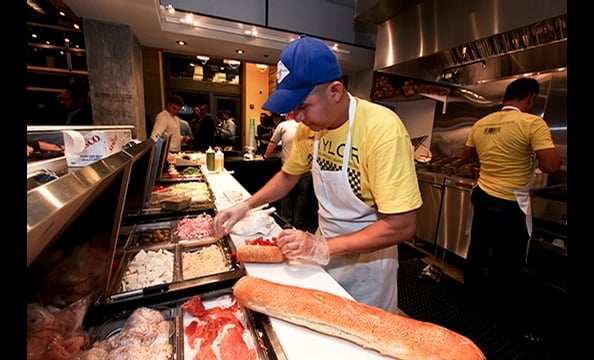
<point x="154" y="234"/>
<point x="106" y="322"/>
<point x="117" y="298"/>
<point x="164" y="177"/>
<point x="230" y="262"/>
<point x="124" y="258"/>
<point x="195" y="241"/>
<point x="263" y="338"/>
<point x="116" y="323"/>
<point x="162" y="194"/>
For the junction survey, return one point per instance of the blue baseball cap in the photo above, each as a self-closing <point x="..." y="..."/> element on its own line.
<point x="304" y="63"/>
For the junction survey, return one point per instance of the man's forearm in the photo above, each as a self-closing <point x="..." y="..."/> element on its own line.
<point x="269" y="149"/>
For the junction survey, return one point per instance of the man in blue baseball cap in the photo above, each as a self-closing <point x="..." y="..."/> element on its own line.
<point x="361" y="159"/>
<point x="304" y="63"/>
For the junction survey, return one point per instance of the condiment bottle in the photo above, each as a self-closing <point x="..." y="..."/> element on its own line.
<point x="210" y="159"/>
<point x="219" y="161"/>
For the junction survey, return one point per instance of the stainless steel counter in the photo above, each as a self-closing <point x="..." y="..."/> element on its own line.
<point x="431" y="187"/>
<point x="452" y="232"/>
<point x="443" y="218"/>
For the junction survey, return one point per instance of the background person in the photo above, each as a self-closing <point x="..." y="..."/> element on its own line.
<point x="219" y="122"/>
<point x="168" y="122"/>
<point x="40" y="145"/>
<point x="363" y="174"/>
<point x="74" y="101"/>
<point x="264" y="132"/>
<point x="509" y="144"/>
<point x="293" y="206"/>
<point x="186" y="113"/>
<point x="227" y="130"/>
<point x="205" y="129"/>
<point x="186" y="135"/>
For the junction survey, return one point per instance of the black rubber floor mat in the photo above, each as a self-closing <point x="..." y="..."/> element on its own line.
<point x="443" y="303"/>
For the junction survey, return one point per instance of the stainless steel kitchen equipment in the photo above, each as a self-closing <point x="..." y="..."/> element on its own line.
<point x="509" y="41"/>
<point x="547" y="255"/>
<point x="431" y="186"/>
<point x="453" y="220"/>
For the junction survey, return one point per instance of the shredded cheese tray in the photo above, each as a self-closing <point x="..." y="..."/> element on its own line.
<point x="203" y="261"/>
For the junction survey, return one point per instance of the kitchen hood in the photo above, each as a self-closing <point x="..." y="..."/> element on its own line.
<point x="468" y="45"/>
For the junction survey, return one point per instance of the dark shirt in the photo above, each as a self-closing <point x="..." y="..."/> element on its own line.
<point x="80" y="116"/>
<point x="205" y="134"/>
<point x="34" y="144"/>
<point x="263" y="135"/>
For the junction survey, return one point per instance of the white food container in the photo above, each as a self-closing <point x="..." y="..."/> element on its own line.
<point x="84" y="147"/>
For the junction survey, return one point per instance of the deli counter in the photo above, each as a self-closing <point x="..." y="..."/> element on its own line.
<point x="87" y="229"/>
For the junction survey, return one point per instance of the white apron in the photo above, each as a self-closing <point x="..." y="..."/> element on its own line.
<point x="370" y="278"/>
<point x="523" y="199"/>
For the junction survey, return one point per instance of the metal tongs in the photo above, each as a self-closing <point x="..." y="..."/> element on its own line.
<point x="155" y="289"/>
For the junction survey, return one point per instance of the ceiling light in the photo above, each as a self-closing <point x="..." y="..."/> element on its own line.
<point x="233" y="64"/>
<point x="181" y="42"/>
<point x="169" y="15"/>
<point x="239" y="51"/>
<point x="203" y="59"/>
<point x="36" y="7"/>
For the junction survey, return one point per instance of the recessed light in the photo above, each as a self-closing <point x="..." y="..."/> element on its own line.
<point x="239" y="51"/>
<point x="181" y="42"/>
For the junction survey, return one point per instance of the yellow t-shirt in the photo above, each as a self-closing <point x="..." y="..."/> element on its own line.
<point x="505" y="142"/>
<point x="381" y="167"/>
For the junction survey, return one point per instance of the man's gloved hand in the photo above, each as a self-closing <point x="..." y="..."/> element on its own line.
<point x="298" y="244"/>
<point x="226" y="218"/>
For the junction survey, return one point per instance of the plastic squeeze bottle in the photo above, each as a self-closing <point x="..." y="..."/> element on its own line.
<point x="210" y="159"/>
<point x="219" y="161"/>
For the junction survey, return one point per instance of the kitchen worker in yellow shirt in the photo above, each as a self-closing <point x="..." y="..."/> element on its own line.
<point x="509" y="144"/>
<point x="361" y="159"/>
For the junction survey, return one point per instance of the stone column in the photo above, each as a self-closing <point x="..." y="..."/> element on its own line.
<point x="114" y="61"/>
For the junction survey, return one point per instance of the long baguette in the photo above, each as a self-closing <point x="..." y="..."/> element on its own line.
<point x="260" y="254"/>
<point x="370" y="327"/>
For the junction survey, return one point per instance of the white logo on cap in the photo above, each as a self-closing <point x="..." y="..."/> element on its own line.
<point x="281" y="72"/>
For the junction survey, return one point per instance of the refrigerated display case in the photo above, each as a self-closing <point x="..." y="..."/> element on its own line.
<point x="78" y="251"/>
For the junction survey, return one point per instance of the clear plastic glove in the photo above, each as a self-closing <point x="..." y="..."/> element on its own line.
<point x="226" y="218"/>
<point x="298" y="244"/>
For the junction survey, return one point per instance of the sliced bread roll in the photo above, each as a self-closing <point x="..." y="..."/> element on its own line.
<point x="260" y="254"/>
